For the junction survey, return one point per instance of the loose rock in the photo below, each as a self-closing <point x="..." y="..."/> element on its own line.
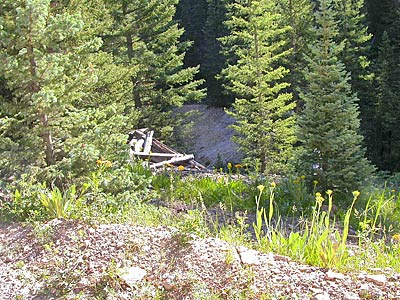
<point x="377" y="279"/>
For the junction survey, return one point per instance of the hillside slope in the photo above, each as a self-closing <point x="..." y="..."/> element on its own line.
<point x="72" y="260"/>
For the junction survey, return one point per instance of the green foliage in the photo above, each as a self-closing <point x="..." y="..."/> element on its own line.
<point x="331" y="150"/>
<point x="298" y="15"/>
<point x="57" y="203"/>
<point x="145" y="41"/>
<point x="385" y="145"/>
<point x="353" y="34"/>
<point x="45" y="65"/>
<point x="263" y="110"/>
<point x="213" y="59"/>
<point x="235" y="194"/>
<point x="25" y="201"/>
<point x="318" y="242"/>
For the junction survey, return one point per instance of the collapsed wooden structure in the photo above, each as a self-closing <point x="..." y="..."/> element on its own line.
<point x="158" y="155"/>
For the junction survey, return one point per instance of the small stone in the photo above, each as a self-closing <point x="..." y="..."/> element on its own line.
<point x="7" y="259"/>
<point x="132" y="275"/>
<point x="363" y="290"/>
<point x="316" y="290"/>
<point x="167" y="286"/>
<point x="362" y="275"/>
<point x="330" y="275"/>
<point x="377" y="279"/>
<point x="250" y="257"/>
<point x="351" y="296"/>
<point x="281" y="258"/>
<point x="323" y="296"/>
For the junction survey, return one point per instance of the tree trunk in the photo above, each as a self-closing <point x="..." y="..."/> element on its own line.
<point x="47" y="140"/>
<point x="35" y="88"/>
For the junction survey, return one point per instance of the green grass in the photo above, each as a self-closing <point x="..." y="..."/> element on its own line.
<point x="319" y="239"/>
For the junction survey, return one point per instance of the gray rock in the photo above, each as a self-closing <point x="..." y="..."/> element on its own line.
<point x="333" y="276"/>
<point x="377" y="279"/>
<point x="132" y="275"/>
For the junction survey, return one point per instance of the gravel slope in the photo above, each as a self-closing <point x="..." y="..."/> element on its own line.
<point x="72" y="260"/>
<point x="211" y="135"/>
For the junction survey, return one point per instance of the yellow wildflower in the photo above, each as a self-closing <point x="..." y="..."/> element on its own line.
<point x="315" y="182"/>
<point x="318" y="194"/>
<point x="329" y="192"/>
<point x="396" y="238"/>
<point x="260" y="187"/>
<point x="101" y="161"/>
<point x="273" y="184"/>
<point x="238" y="166"/>
<point x="356" y="194"/>
<point x="229" y="166"/>
<point x="181" y="168"/>
<point x="303" y="177"/>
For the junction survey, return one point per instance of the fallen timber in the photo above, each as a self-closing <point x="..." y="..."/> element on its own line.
<point x="158" y="155"/>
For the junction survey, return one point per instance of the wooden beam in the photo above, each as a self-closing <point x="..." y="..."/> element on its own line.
<point x="173" y="160"/>
<point x="148" y="142"/>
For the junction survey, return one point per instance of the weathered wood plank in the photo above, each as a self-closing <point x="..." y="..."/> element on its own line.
<point x="173" y="160"/>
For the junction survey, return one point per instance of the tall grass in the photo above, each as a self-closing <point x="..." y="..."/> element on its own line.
<point x="319" y="242"/>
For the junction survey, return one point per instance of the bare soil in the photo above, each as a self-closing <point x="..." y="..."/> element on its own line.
<point x="73" y="260"/>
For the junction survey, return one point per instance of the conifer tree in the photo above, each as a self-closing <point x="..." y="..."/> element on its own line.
<point x="192" y="16"/>
<point x="298" y="14"/>
<point x="213" y="58"/>
<point x="146" y="40"/>
<point x="386" y="137"/>
<point x="353" y="33"/>
<point x="46" y="65"/>
<point x="384" y="18"/>
<point x="328" y="128"/>
<point x="264" y="122"/>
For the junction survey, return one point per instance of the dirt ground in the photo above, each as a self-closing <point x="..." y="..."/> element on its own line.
<point x="72" y="260"/>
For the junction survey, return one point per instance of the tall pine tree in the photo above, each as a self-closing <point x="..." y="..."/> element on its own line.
<point x="298" y="15"/>
<point x="353" y="33"/>
<point x="264" y="121"/>
<point x="382" y="139"/>
<point x="213" y="59"/>
<point x="386" y="138"/>
<point x="328" y="128"/>
<point x="46" y="65"/>
<point x="146" y="40"/>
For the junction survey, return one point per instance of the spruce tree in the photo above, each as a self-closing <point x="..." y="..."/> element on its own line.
<point x="353" y="33"/>
<point x="192" y="16"/>
<point x="386" y="137"/>
<point x="384" y="18"/>
<point x="263" y="111"/>
<point x="331" y="147"/>
<point x="146" y="40"/>
<point x="298" y="15"/>
<point x="46" y="65"/>
<point x="213" y="59"/>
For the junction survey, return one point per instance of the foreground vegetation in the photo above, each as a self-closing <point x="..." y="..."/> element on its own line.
<point x="360" y="233"/>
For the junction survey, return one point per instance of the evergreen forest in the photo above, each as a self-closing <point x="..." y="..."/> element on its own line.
<point x="313" y="87"/>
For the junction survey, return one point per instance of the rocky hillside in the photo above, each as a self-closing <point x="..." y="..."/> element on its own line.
<point x="210" y="135"/>
<point x="72" y="260"/>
